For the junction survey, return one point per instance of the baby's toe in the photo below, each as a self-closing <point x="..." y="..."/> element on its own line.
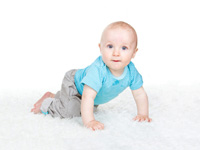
<point x="32" y="109"/>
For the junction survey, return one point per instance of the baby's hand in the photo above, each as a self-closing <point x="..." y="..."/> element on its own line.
<point x="95" y="125"/>
<point x="142" y="118"/>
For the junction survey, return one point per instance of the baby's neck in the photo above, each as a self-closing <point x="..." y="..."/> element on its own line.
<point x="117" y="73"/>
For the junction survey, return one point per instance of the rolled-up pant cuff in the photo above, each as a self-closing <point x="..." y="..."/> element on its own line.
<point x="45" y="105"/>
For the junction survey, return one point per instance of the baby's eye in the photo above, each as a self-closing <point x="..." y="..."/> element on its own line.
<point x="110" y="46"/>
<point x="124" y="48"/>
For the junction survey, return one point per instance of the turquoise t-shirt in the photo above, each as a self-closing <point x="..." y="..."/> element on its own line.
<point x="98" y="77"/>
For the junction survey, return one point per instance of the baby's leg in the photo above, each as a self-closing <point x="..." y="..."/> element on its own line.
<point x="67" y="103"/>
<point x="38" y="104"/>
<point x="65" y="107"/>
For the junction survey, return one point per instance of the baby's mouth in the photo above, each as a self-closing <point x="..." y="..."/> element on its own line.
<point x="116" y="60"/>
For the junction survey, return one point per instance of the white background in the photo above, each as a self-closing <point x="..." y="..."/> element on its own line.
<point x="42" y="39"/>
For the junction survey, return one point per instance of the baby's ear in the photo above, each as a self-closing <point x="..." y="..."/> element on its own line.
<point x="99" y="47"/>
<point x="135" y="52"/>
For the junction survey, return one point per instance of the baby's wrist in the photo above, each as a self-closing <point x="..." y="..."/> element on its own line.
<point x="143" y="114"/>
<point x="86" y="122"/>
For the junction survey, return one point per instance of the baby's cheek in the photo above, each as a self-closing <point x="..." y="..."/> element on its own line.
<point x="105" y="58"/>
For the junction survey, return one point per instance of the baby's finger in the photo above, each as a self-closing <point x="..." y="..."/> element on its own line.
<point x="99" y="127"/>
<point x="102" y="126"/>
<point x="139" y="120"/>
<point x="92" y="128"/>
<point x="142" y="119"/>
<point x="89" y="127"/>
<point x="96" y="128"/>
<point x="135" y="118"/>
<point x="149" y="119"/>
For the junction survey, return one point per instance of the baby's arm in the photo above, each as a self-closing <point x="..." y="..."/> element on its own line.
<point x="141" y="100"/>
<point x="87" y="107"/>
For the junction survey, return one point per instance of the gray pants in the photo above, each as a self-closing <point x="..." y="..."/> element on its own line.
<point x="67" y="101"/>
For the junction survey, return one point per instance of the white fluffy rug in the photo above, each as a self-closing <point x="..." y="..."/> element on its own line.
<point x="175" y="111"/>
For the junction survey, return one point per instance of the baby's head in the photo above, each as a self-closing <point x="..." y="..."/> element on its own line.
<point x="123" y="26"/>
<point x="118" y="46"/>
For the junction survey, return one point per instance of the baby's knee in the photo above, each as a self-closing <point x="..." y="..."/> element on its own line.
<point x="67" y="108"/>
<point x="74" y="108"/>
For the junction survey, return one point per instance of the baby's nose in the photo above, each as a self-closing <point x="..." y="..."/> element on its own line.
<point x="116" y="52"/>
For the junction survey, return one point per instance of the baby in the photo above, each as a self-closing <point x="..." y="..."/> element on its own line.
<point x="111" y="73"/>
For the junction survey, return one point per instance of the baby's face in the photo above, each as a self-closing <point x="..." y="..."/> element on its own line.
<point x="118" y="47"/>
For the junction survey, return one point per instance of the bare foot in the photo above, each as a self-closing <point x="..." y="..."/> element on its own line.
<point x="38" y="104"/>
<point x="46" y="95"/>
<point x="36" y="109"/>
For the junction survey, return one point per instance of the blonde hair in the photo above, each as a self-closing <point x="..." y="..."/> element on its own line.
<point x="123" y="25"/>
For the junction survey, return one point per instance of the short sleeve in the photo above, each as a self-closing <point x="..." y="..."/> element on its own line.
<point x="93" y="78"/>
<point x="136" y="81"/>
